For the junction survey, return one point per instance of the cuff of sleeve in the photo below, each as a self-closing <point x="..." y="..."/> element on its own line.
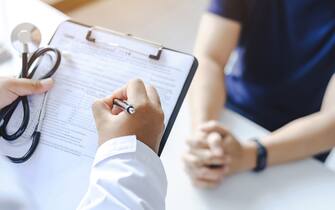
<point x="128" y="147"/>
<point x="128" y="144"/>
<point x="116" y="146"/>
<point x="231" y="9"/>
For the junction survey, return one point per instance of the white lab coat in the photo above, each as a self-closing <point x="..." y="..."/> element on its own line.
<point x="126" y="174"/>
<point x="12" y="195"/>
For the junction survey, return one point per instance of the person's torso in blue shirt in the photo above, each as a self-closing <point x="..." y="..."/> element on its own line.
<point x="286" y="57"/>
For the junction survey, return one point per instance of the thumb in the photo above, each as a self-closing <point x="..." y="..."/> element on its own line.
<point x="215" y="143"/>
<point x="23" y="87"/>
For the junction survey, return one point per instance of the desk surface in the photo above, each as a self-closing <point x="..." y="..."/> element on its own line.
<point x="302" y="185"/>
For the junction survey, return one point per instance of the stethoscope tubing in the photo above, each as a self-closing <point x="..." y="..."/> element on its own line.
<point x="7" y="112"/>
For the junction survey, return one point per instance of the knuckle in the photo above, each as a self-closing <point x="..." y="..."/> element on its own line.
<point x="196" y="162"/>
<point x="230" y="139"/>
<point x="212" y="122"/>
<point x="189" y="145"/>
<point x="36" y="84"/>
<point x="152" y="88"/>
<point x="95" y="104"/>
<point x="185" y="159"/>
<point x="191" y="161"/>
<point x="137" y="81"/>
<point x="146" y="103"/>
<point x="160" y="115"/>
<point x="216" y="136"/>
<point x="143" y="105"/>
<point x="215" y="123"/>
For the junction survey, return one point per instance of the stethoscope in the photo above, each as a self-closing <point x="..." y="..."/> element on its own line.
<point x="26" y="39"/>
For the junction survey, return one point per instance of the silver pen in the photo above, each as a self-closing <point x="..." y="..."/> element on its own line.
<point x="124" y="105"/>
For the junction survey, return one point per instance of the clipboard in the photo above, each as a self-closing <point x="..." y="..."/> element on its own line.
<point x="148" y="50"/>
<point x="66" y="151"/>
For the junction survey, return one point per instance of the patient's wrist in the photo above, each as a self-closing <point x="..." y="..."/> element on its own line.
<point x="250" y="156"/>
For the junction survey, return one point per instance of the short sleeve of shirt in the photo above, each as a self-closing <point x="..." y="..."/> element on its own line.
<point x="232" y="9"/>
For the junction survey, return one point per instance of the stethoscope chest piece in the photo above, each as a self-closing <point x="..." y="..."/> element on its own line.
<point x="26" y="38"/>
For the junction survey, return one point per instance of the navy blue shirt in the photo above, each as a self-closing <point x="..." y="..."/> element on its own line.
<point x="286" y="57"/>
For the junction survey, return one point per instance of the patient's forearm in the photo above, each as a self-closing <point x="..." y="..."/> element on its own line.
<point x="216" y="40"/>
<point x="207" y="94"/>
<point x="301" y="138"/>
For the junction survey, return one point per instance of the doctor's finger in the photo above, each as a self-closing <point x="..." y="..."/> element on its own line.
<point x="101" y="110"/>
<point x="153" y="95"/>
<point x="116" y="110"/>
<point x="23" y="87"/>
<point x="120" y="93"/>
<point x="136" y="92"/>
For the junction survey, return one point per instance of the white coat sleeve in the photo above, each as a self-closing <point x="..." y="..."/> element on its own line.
<point x="126" y="174"/>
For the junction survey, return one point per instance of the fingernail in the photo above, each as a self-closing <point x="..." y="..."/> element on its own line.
<point x="47" y="82"/>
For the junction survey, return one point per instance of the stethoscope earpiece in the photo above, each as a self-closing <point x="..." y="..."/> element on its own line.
<point x="26" y="38"/>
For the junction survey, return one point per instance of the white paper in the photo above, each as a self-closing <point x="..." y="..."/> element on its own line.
<point x="59" y="169"/>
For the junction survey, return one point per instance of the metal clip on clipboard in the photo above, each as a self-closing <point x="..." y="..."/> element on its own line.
<point x="159" y="47"/>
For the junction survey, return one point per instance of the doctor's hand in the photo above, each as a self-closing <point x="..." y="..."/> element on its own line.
<point x="215" y="153"/>
<point x="12" y="88"/>
<point x="146" y="123"/>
